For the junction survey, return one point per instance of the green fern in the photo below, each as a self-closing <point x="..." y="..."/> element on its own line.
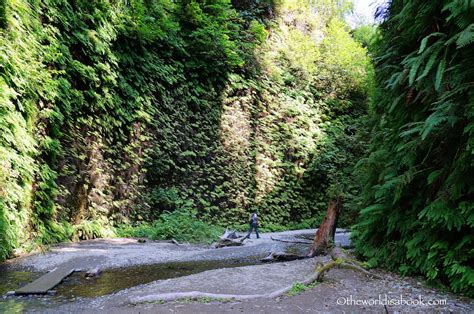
<point x="466" y="37"/>
<point x="431" y="62"/>
<point x="440" y="74"/>
<point x="424" y="41"/>
<point x="420" y="169"/>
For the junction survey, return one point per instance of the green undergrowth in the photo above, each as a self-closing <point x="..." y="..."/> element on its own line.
<point x="309" y="223"/>
<point x="182" y="226"/>
<point x="299" y="288"/>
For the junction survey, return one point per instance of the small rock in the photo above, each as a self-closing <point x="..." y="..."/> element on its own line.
<point x="95" y="272"/>
<point x="16" y="253"/>
<point x="141" y="241"/>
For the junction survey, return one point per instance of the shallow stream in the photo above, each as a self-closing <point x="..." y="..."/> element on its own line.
<point x="77" y="287"/>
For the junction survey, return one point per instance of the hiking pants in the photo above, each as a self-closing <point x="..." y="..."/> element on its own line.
<point x="253" y="227"/>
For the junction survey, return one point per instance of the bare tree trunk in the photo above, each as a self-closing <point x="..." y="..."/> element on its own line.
<point x="325" y="235"/>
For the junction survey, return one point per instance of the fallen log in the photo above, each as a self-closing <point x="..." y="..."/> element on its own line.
<point x="291" y="241"/>
<point x="172" y="241"/>
<point x="229" y="238"/>
<point x="281" y="256"/>
<point x="229" y="234"/>
<point x="342" y="260"/>
<point x="229" y="242"/>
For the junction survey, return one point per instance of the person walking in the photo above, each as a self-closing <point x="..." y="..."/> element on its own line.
<point x="253" y="225"/>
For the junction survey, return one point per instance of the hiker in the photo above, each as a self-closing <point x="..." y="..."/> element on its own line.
<point x="253" y="225"/>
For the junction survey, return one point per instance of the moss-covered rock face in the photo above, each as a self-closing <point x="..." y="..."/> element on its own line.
<point x="117" y="111"/>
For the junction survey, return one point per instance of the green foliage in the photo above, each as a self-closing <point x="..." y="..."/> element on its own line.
<point x="81" y="87"/>
<point x="325" y="9"/>
<point x="91" y="229"/>
<point x="258" y="31"/>
<point x="299" y="288"/>
<point x="251" y="150"/>
<point x="3" y="13"/>
<point x="417" y="198"/>
<point x="23" y="84"/>
<point x="139" y="111"/>
<point x="342" y="54"/>
<point x="180" y="225"/>
<point x="308" y="223"/>
<point x="366" y="34"/>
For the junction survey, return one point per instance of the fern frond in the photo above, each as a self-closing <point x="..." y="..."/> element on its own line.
<point x="424" y="42"/>
<point x="439" y="74"/>
<point x="466" y="37"/>
<point x="429" y="64"/>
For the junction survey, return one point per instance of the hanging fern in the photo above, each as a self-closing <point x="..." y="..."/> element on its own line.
<point x="440" y="73"/>
<point x="466" y="37"/>
<point x="419" y="174"/>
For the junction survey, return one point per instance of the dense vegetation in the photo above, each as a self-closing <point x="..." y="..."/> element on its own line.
<point x="119" y="112"/>
<point x="175" y="118"/>
<point x="419" y="176"/>
<point x="179" y="225"/>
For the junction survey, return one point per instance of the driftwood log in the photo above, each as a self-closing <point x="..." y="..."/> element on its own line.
<point x="281" y="256"/>
<point x="172" y="241"/>
<point x="292" y="241"/>
<point x="229" y="238"/>
<point x="339" y="260"/>
<point x="229" y="234"/>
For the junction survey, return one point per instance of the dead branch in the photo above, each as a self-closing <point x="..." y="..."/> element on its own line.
<point x="291" y="241"/>
<point x="282" y="256"/>
<point x="229" y="238"/>
<point x="339" y="260"/>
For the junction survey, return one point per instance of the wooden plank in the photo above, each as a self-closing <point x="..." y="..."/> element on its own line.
<point x="46" y="282"/>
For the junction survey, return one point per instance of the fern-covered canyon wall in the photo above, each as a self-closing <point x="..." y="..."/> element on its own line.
<point x="116" y="111"/>
<point x="417" y="202"/>
<point x="185" y="114"/>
